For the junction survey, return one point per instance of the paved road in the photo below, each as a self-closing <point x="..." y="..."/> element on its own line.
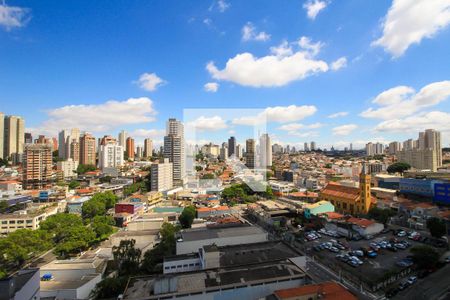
<point x="435" y="286"/>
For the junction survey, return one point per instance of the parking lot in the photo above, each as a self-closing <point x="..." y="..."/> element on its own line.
<point x="371" y="269"/>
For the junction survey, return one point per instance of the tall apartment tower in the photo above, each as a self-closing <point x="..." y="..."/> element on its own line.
<point x="250" y="153"/>
<point x="14" y="137"/>
<point x="313" y="146"/>
<point x="265" y="145"/>
<point x="2" y="132"/>
<point x="75" y="150"/>
<point x="161" y="176"/>
<point x="87" y="149"/>
<point x="174" y="149"/>
<point x="130" y="147"/>
<point x="232" y="146"/>
<point x="62" y="139"/>
<point x="432" y="140"/>
<point x="238" y="152"/>
<point x="123" y="138"/>
<point x="110" y="156"/>
<point x="305" y="147"/>
<point x="37" y="166"/>
<point x="148" y="148"/>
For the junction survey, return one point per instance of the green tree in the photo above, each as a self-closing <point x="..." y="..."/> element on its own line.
<point x="3" y="206"/>
<point x="58" y="225"/>
<point x="127" y="257"/>
<point x="105" y="179"/>
<point x="108" y="197"/>
<point x="154" y="257"/>
<point x="436" y="227"/>
<point x="77" y="239"/>
<point x="187" y="216"/>
<point x="109" y="288"/>
<point x="74" y="184"/>
<point x="92" y="208"/>
<point x="398" y="167"/>
<point x="208" y="176"/>
<point x="82" y="169"/>
<point x="233" y="192"/>
<point x="424" y="256"/>
<point x="102" y="226"/>
<point x="198" y="168"/>
<point x="3" y="162"/>
<point x="381" y="215"/>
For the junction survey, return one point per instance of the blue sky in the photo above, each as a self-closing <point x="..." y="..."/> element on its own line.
<point x="383" y="65"/>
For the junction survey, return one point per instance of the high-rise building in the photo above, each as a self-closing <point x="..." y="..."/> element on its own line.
<point x="211" y="150"/>
<point x="62" y="149"/>
<point x="238" y="152"/>
<point x="305" y="147"/>
<point x="374" y="149"/>
<point x="87" y="149"/>
<point x="351" y="147"/>
<point x="14" y="137"/>
<point x="123" y="138"/>
<point x="148" y="148"/>
<point x="28" y="137"/>
<point x="174" y="150"/>
<point x="424" y="153"/>
<point x="394" y="147"/>
<point x="224" y="152"/>
<point x="277" y="149"/>
<point x="313" y="146"/>
<point x="75" y="150"/>
<point x="265" y="145"/>
<point x="161" y="176"/>
<point x="110" y="156"/>
<point x="37" y="166"/>
<point x="250" y="153"/>
<point x="232" y="146"/>
<point x="139" y="152"/>
<point x="107" y="139"/>
<point x="2" y="132"/>
<point x="130" y="148"/>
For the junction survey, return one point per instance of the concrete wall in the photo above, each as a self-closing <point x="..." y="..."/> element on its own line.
<point x="145" y="224"/>
<point x="182" y="265"/>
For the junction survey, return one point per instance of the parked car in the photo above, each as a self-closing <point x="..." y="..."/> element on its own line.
<point x="401" y="233"/>
<point x="400" y="246"/>
<point x="334" y="249"/>
<point x="372" y="254"/>
<point x="406" y="262"/>
<point x="359" y="253"/>
<point x="411" y="280"/>
<point x="403" y="285"/>
<point x="352" y="263"/>
<point x="360" y="262"/>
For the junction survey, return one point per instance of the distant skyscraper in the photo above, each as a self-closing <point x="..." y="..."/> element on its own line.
<point x="265" y="150"/>
<point x="224" y="151"/>
<point x="313" y="146"/>
<point x="374" y="149"/>
<point x="174" y="149"/>
<point x="231" y="146"/>
<point x="148" y="148"/>
<point x="14" y="137"/>
<point x="250" y="153"/>
<point x="75" y="150"/>
<point x="130" y="147"/>
<point x="394" y="147"/>
<point x="87" y="149"/>
<point x="62" y="138"/>
<point x="37" y="166"/>
<point x="139" y="152"/>
<point x="306" y="147"/>
<point x="28" y="137"/>
<point x="123" y="138"/>
<point x="238" y="152"/>
<point x="351" y="147"/>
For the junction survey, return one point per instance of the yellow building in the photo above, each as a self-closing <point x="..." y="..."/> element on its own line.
<point x="347" y="199"/>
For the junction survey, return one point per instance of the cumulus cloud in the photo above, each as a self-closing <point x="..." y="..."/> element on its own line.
<point x="208" y="123"/>
<point x="279" y="114"/>
<point x="409" y="21"/>
<point x="435" y="119"/>
<point x="313" y="7"/>
<point x="344" y="129"/>
<point x="150" y="82"/>
<point x="339" y="64"/>
<point x="297" y="126"/>
<point x="98" y="117"/>
<point x="211" y="87"/>
<point x="148" y="133"/>
<point x="13" y="16"/>
<point x="338" y="114"/>
<point x="220" y="5"/>
<point x="402" y="101"/>
<point x="283" y="66"/>
<point x="249" y="33"/>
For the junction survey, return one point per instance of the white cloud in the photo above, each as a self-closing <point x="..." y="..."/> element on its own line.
<point x="402" y="101"/>
<point x="148" y="133"/>
<point x="278" y="69"/>
<point x="409" y="21"/>
<point x="435" y="119"/>
<point x="303" y="134"/>
<point x="315" y="125"/>
<point x="279" y="114"/>
<point x="339" y="64"/>
<point x="211" y="87"/>
<point x="296" y="126"/>
<point x="98" y="117"/>
<point x="207" y="22"/>
<point x="344" y="129"/>
<point x="313" y="7"/>
<point x="13" y="16"/>
<point x="338" y="114"/>
<point x="249" y="33"/>
<point x="221" y="6"/>
<point x="150" y="81"/>
<point x="208" y="123"/>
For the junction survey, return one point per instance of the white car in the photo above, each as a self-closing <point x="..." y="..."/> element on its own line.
<point x="401" y="233"/>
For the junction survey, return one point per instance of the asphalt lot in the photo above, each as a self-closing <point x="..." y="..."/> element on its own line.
<point x="372" y="268"/>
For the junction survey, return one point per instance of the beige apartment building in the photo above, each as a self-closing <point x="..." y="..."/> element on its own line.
<point x="37" y="166"/>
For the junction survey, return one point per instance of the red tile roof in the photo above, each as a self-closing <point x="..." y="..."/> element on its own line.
<point x="337" y="190"/>
<point x="206" y="209"/>
<point x="360" y="222"/>
<point x="327" y="290"/>
<point x="333" y="215"/>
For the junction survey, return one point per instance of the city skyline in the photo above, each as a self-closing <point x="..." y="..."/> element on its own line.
<point x="332" y="76"/>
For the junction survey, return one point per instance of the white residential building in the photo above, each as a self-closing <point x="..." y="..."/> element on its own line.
<point x="67" y="167"/>
<point x="161" y="176"/>
<point x="110" y="156"/>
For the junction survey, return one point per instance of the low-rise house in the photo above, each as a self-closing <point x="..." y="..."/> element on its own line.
<point x="26" y="219"/>
<point x="23" y="285"/>
<point x="317" y="208"/>
<point x="205" y="212"/>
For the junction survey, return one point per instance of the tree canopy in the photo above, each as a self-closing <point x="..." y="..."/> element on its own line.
<point x="187" y="216"/>
<point x="154" y="257"/>
<point x="381" y="215"/>
<point x="82" y="169"/>
<point x="424" y="256"/>
<point x="398" y="167"/>
<point x="127" y="257"/>
<point x="436" y="227"/>
<point x="98" y="204"/>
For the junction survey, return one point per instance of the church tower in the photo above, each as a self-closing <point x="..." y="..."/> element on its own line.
<point x="364" y="186"/>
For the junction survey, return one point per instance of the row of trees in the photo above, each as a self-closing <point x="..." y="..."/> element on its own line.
<point x="242" y="193"/>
